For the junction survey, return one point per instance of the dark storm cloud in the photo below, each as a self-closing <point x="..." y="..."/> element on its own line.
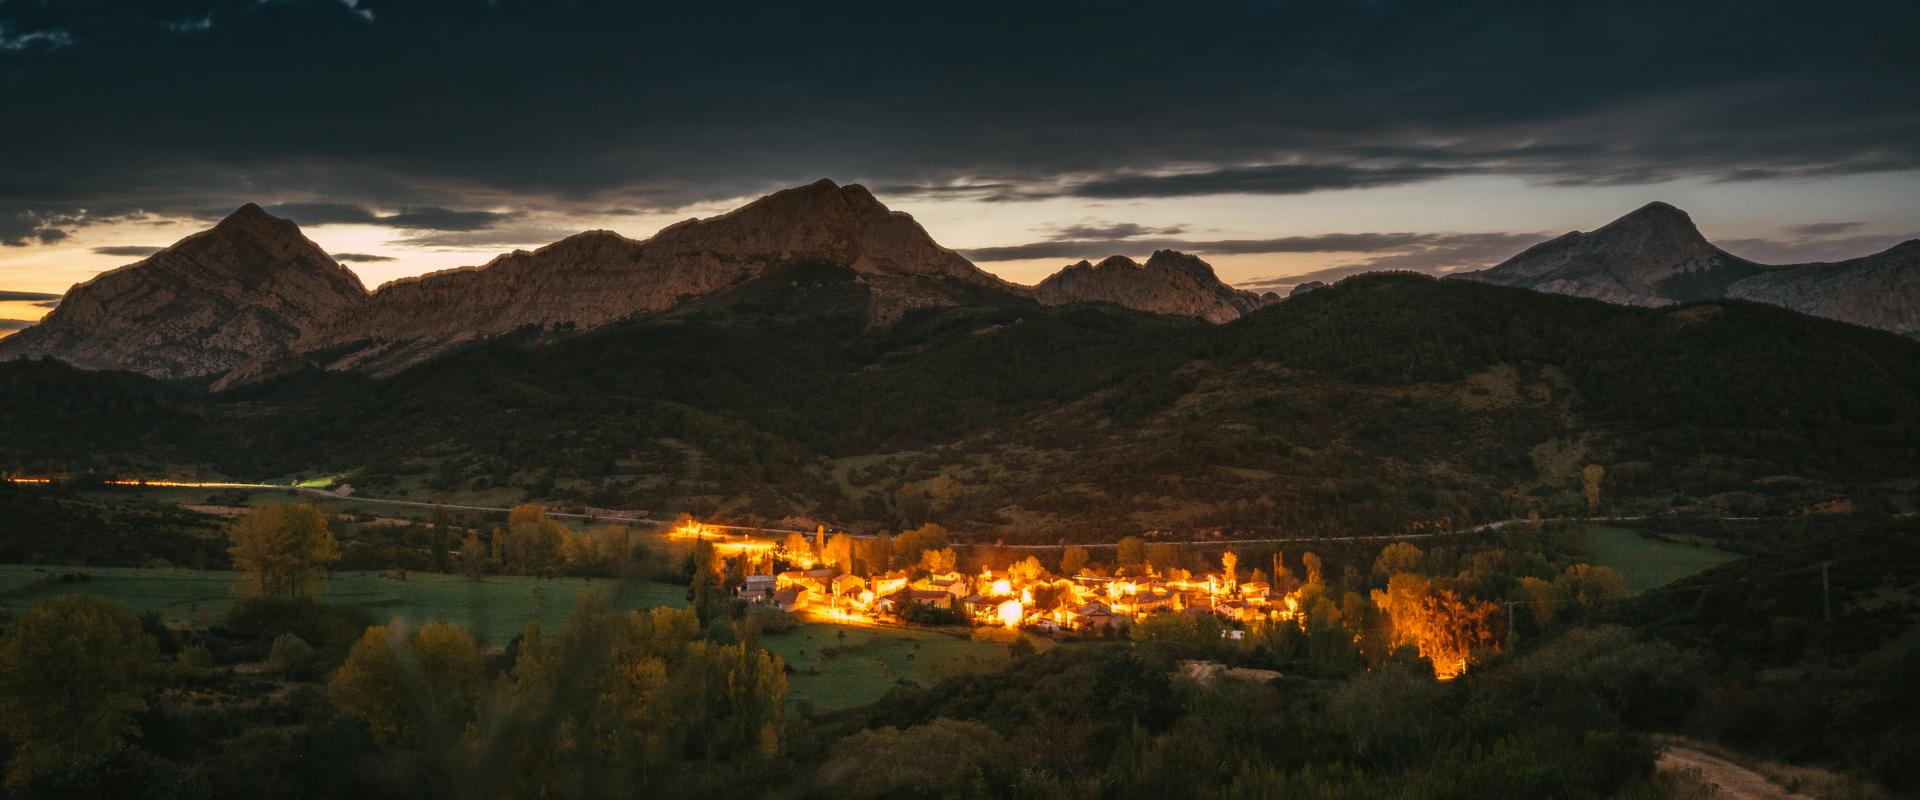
<point x="424" y="106"/>
<point x="1112" y="230"/>
<point x="128" y="250"/>
<point x="1825" y="228"/>
<point x="1269" y="179"/>
<point x="14" y="324"/>
<point x="11" y="296"/>
<point x="422" y="218"/>
<point x="23" y="228"/>
<point x="360" y="258"/>
<point x="1434" y="254"/>
<point x="1805" y="250"/>
<point x="1429" y="250"/>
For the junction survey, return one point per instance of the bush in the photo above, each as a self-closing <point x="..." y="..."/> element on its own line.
<point x="930" y="615"/>
<point x="941" y="757"/>
<point x="311" y="620"/>
<point x="1644" y="682"/>
<point x="195" y="656"/>
<point x="773" y="621"/>
<point x="291" y="654"/>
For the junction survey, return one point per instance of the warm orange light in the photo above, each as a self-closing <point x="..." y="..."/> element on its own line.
<point x="1011" y="613"/>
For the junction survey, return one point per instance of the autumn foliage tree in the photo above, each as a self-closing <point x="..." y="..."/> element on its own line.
<point x="626" y="695"/>
<point x="73" y="674"/>
<point x="411" y="687"/>
<point x="534" y="541"/>
<point x="284" y="549"/>
<point x="1072" y="560"/>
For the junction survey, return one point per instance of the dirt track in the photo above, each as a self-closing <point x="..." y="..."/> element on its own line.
<point x="1734" y="781"/>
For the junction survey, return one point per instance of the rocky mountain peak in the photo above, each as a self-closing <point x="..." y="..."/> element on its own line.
<point x="1176" y="260"/>
<point x="1652" y="256"/>
<point x="597" y="277"/>
<point x="247" y="287"/>
<point x="1170" y="282"/>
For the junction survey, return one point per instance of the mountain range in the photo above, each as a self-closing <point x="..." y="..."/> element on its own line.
<point x="1655" y="256"/>
<point x="252" y="298"/>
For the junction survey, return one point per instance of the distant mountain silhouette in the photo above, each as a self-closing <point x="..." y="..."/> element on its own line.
<point x="1655" y="256"/>
<point x="252" y="298"/>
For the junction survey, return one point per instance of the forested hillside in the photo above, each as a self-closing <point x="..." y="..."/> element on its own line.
<point x="1384" y="402"/>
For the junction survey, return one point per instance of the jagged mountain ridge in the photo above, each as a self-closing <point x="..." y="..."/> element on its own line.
<point x="239" y="291"/>
<point x="252" y="298"/>
<point x="575" y="284"/>
<point x="593" y="278"/>
<point x="1655" y="256"/>
<point x="1171" y="283"/>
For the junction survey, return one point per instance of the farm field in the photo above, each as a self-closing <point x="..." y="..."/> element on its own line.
<point x="829" y="670"/>
<point x="1646" y="562"/>
<point x="494" y="609"/>
<point x="835" y="671"/>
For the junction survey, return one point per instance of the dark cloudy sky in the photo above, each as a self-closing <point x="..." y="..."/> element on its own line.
<point x="1276" y="138"/>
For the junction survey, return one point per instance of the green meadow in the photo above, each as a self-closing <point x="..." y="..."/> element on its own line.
<point x="494" y="609"/>
<point x="842" y="666"/>
<point x="1647" y="562"/>
<point x="830" y="670"/>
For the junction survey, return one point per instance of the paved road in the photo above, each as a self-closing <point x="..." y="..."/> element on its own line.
<point x="617" y="517"/>
<point x="630" y="517"/>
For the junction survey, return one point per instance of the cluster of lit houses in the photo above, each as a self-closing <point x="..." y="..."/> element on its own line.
<point x="1021" y="597"/>
<point x="1046" y="602"/>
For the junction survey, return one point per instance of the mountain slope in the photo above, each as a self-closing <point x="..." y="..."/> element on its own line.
<point x="1371" y="405"/>
<point x="1169" y="283"/>
<point x="1651" y="257"/>
<point x="242" y="290"/>
<point x="597" y="277"/>
<point x="1655" y="257"/>
<point x="1879" y="291"/>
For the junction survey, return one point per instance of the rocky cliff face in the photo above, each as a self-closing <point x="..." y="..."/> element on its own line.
<point x="1170" y="283"/>
<point x="1651" y="257"/>
<point x="1879" y="291"/>
<point x="242" y="290"/>
<point x="597" y="277"/>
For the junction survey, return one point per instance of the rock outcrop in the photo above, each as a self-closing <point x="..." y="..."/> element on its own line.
<point x="1170" y="283"/>
<point x="1309" y="286"/>
<point x="245" y="289"/>
<point x="597" y="277"/>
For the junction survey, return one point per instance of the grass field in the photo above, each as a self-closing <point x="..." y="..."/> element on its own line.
<point x="494" y="609"/>
<point x="1647" y="562"/>
<point x="830" y="671"/>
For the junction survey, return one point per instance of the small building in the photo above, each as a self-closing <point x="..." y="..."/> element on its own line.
<point x="757" y="589"/>
<point x="848" y="585"/>
<point x="954" y="585"/>
<point x="1091" y="616"/>
<point x="930" y="597"/>
<point x="1152" y="601"/>
<point x="792" y="599"/>
<point x="1231" y="609"/>
<point x="888" y="583"/>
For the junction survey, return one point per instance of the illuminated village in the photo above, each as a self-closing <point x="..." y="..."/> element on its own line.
<point x="812" y="578"/>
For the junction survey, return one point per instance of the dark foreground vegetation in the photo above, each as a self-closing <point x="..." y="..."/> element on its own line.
<point x="289" y="696"/>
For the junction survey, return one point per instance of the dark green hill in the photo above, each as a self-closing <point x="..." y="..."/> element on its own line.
<point x="1381" y="402"/>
